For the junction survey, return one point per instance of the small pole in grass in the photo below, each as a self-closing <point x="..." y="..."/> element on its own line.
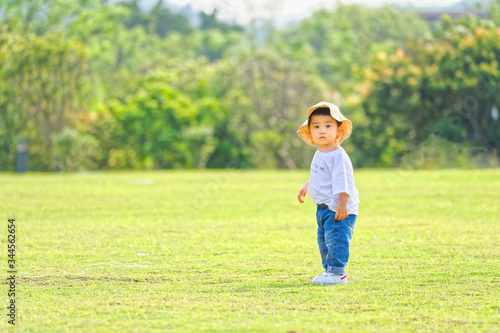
<point x="22" y="156"/>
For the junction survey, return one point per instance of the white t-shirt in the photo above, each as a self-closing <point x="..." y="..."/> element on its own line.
<point x="332" y="174"/>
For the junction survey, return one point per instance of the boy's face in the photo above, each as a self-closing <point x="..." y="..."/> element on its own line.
<point x="324" y="130"/>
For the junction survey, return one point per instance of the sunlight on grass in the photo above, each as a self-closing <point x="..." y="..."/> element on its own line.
<point x="233" y="251"/>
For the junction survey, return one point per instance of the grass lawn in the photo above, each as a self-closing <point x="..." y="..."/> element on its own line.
<point x="233" y="251"/>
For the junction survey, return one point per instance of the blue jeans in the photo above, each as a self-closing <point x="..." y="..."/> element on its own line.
<point x="334" y="238"/>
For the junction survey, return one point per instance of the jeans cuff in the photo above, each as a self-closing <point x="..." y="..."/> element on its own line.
<point x="336" y="270"/>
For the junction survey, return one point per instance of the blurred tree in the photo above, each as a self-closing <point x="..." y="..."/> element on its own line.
<point x="445" y="88"/>
<point x="97" y="84"/>
<point x="494" y="11"/>
<point x="211" y="86"/>
<point x="44" y="81"/>
<point x="345" y="39"/>
<point x="159" y="20"/>
<point x="216" y="44"/>
<point x="210" y="21"/>
<point x="274" y="94"/>
<point x="74" y="150"/>
<point x="161" y="127"/>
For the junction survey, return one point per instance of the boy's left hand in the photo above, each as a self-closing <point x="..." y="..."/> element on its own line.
<point x="341" y="210"/>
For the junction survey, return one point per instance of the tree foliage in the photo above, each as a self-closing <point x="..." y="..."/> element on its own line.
<point x="97" y="84"/>
<point x="44" y="80"/>
<point x="444" y="87"/>
<point x="344" y="40"/>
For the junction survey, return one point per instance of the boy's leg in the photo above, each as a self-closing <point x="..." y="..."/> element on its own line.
<point x="338" y="236"/>
<point x="323" y="249"/>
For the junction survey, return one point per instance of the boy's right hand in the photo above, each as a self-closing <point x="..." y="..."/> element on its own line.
<point x="303" y="192"/>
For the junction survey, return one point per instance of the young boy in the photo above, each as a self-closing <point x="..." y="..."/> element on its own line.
<point x="331" y="186"/>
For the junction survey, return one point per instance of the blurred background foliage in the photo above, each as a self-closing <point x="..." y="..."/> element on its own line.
<point x="95" y="84"/>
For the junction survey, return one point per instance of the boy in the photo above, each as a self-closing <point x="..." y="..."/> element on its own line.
<point x="331" y="186"/>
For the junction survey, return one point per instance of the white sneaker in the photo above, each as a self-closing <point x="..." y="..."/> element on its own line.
<point x="314" y="279"/>
<point x="330" y="278"/>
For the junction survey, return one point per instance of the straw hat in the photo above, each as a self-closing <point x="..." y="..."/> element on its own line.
<point x="305" y="133"/>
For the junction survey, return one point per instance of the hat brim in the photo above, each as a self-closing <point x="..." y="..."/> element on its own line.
<point x="305" y="133"/>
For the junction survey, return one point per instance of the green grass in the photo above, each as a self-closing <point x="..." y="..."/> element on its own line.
<point x="233" y="251"/>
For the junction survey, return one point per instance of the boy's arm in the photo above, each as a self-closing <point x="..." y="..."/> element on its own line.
<point x="341" y="209"/>
<point x="303" y="192"/>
